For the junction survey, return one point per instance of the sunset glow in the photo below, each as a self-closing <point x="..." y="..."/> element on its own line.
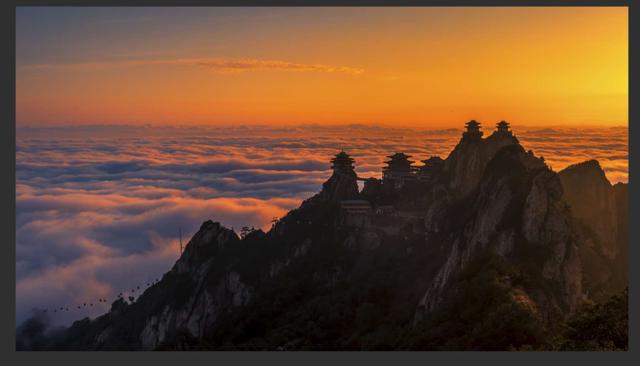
<point x="397" y="66"/>
<point x="135" y="125"/>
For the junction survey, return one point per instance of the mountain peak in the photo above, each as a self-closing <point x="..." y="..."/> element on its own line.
<point x="211" y="237"/>
<point x="589" y="169"/>
<point x="471" y="155"/>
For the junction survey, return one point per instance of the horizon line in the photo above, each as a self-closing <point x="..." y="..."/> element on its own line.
<point x="309" y="124"/>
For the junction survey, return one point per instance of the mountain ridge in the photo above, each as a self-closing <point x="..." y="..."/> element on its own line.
<point x="362" y="269"/>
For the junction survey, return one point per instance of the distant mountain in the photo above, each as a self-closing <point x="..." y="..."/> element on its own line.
<point x="488" y="249"/>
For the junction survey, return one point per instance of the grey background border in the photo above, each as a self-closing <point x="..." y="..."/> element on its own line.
<point x="7" y="215"/>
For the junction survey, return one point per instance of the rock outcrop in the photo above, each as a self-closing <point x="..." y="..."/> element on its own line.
<point x="466" y="163"/>
<point x="341" y="186"/>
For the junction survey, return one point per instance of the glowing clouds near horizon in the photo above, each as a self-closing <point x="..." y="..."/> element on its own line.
<point x="99" y="209"/>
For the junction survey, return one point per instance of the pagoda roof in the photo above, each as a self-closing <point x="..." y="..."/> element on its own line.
<point x="399" y="156"/>
<point x="396" y="162"/>
<point x="473" y="122"/>
<point x="342" y="156"/>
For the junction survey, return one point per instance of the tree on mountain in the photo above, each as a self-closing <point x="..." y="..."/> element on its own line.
<point x="599" y="327"/>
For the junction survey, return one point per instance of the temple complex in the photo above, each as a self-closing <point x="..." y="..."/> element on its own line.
<point x="399" y="170"/>
<point x="362" y="207"/>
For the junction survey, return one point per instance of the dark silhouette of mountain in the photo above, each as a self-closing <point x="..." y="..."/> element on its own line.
<point x="488" y="249"/>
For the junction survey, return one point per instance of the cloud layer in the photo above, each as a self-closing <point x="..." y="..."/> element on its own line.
<point x="99" y="208"/>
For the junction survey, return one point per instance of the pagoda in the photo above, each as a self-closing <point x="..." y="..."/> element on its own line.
<point x="473" y="130"/>
<point x="342" y="163"/>
<point x="502" y="127"/>
<point x="399" y="169"/>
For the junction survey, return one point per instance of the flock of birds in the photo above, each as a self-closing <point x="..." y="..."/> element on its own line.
<point x="89" y="305"/>
<point x="121" y="295"/>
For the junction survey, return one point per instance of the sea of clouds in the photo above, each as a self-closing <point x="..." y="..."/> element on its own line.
<point x="99" y="208"/>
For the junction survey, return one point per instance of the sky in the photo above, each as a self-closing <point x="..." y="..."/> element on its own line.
<point x="134" y="124"/>
<point x="420" y="67"/>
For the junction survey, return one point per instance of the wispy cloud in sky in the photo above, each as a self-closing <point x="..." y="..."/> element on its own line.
<point x="221" y="65"/>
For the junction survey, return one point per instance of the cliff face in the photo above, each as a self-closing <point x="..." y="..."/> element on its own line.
<point x="593" y="201"/>
<point x="497" y="235"/>
<point x="516" y="210"/>
<point x="621" y="191"/>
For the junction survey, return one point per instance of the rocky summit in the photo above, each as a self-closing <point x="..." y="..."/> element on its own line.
<point x="486" y="249"/>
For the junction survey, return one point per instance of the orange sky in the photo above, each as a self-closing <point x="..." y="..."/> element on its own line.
<point x="402" y="66"/>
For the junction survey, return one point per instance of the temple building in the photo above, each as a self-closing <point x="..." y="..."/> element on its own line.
<point x="342" y="163"/>
<point x="473" y="130"/>
<point x="431" y="167"/>
<point x="398" y="170"/>
<point x="371" y="187"/>
<point x="356" y="207"/>
<point x="342" y="185"/>
<point x="502" y="127"/>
